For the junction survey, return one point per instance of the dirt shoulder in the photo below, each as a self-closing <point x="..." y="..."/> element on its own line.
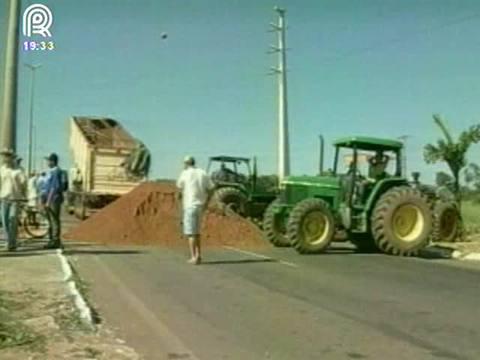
<point x="38" y="318"/>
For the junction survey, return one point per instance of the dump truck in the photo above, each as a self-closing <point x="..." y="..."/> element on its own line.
<point x="108" y="163"/>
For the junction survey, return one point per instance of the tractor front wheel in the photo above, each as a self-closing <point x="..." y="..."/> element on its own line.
<point x="311" y="226"/>
<point x="274" y="226"/>
<point x="447" y="222"/>
<point x="402" y="221"/>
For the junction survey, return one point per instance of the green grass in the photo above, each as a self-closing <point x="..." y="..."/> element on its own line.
<point x="13" y="332"/>
<point x="471" y="216"/>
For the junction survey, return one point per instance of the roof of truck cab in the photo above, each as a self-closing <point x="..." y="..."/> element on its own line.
<point x="369" y="143"/>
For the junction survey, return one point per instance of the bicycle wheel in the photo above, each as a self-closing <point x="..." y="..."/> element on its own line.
<point x="35" y="224"/>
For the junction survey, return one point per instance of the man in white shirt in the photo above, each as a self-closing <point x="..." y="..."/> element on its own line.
<point x="12" y="189"/>
<point x="196" y="188"/>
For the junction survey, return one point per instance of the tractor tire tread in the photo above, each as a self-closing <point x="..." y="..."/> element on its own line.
<point x="380" y="219"/>
<point x="295" y="220"/>
<point x="269" y="229"/>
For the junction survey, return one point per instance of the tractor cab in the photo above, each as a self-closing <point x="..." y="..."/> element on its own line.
<point x="362" y="163"/>
<point x="230" y="171"/>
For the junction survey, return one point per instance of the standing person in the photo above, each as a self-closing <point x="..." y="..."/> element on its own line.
<point x="32" y="190"/>
<point x="52" y="200"/>
<point x="196" y="188"/>
<point x="41" y="182"/>
<point x="12" y="185"/>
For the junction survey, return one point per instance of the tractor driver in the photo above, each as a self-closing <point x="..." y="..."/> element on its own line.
<point x="225" y="174"/>
<point x="376" y="172"/>
<point x="378" y="165"/>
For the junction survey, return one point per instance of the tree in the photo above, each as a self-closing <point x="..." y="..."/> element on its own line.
<point x="472" y="176"/>
<point x="452" y="152"/>
<point x="444" y="179"/>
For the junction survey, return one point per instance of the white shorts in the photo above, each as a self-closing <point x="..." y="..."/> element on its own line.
<point x="192" y="220"/>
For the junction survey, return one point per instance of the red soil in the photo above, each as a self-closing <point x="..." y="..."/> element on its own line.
<point x="149" y="215"/>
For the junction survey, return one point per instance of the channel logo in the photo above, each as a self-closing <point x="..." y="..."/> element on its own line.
<point x="37" y="20"/>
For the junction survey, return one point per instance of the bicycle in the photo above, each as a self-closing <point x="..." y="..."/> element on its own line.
<point x="32" y="220"/>
<point x="32" y="223"/>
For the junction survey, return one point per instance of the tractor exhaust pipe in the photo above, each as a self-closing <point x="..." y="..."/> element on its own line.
<point x="254" y="173"/>
<point x="322" y="149"/>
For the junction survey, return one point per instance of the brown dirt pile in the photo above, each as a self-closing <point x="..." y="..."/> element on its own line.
<point x="149" y="215"/>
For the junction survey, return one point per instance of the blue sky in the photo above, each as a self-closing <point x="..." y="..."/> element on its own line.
<point x="373" y="67"/>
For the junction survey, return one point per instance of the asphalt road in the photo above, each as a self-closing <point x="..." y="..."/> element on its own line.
<point x="278" y="305"/>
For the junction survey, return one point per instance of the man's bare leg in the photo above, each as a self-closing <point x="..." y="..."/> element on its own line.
<point x="192" y="247"/>
<point x="198" y="249"/>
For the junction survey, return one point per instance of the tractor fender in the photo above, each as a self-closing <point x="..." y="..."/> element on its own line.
<point x="381" y="188"/>
<point x="232" y="185"/>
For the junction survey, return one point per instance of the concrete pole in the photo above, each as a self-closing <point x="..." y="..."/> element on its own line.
<point x="9" y="117"/>
<point x="283" y="138"/>
<point x="30" y="122"/>
<point x="34" y="151"/>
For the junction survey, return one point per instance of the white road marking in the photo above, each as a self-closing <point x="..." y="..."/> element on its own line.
<point x="283" y="262"/>
<point x="473" y="256"/>
<point x="456" y="255"/>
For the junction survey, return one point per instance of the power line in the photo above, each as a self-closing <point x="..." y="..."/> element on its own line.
<point x="399" y="39"/>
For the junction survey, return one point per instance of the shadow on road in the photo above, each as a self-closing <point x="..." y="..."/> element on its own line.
<point x="22" y="253"/>
<point x="233" y="262"/>
<point x="102" y="252"/>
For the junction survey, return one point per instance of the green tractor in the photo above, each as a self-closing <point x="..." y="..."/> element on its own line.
<point x="237" y="188"/>
<point x="365" y="195"/>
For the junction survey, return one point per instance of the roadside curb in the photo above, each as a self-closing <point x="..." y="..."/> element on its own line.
<point x="84" y="310"/>
<point x="436" y="252"/>
<point x="446" y="252"/>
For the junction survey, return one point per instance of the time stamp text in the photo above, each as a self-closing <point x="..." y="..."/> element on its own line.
<point x="38" y="45"/>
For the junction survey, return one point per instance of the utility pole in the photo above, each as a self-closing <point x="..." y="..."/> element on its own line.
<point x="34" y="152"/>
<point x="9" y="116"/>
<point x="281" y="71"/>
<point x="30" y="122"/>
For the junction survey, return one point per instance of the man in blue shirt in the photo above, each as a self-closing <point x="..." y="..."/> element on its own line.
<point x="51" y="199"/>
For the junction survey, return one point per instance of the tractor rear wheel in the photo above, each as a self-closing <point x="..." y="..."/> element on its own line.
<point x="447" y="222"/>
<point x="311" y="226"/>
<point x="274" y="226"/>
<point x="402" y="221"/>
<point x="230" y="199"/>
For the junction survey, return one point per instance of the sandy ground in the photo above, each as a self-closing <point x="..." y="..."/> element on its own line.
<point x="38" y="319"/>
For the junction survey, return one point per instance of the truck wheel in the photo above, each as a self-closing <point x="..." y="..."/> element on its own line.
<point x="274" y="227"/>
<point x="79" y="207"/>
<point x="402" y="221"/>
<point x="311" y="226"/>
<point x="229" y="199"/>
<point x="447" y="222"/>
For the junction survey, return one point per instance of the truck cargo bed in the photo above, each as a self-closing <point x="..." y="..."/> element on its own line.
<point x="99" y="148"/>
